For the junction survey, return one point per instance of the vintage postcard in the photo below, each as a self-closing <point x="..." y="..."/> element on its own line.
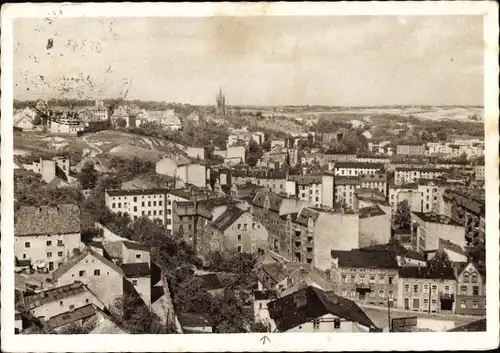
<point x="250" y="176"/>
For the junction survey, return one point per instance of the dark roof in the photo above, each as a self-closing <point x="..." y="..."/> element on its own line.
<point x="358" y="165"/>
<point x="304" y="214"/>
<point x="346" y="180"/>
<point x="474" y="203"/>
<point x="69" y="264"/>
<point x="461" y="267"/>
<point x="475" y="326"/>
<point x="287" y="314"/>
<point x="227" y="218"/>
<point x="427" y="272"/>
<point x="422" y="169"/>
<point x="96" y="244"/>
<point x="194" y="319"/>
<point x="371" y="211"/>
<point x="62" y="219"/>
<point x="397" y="250"/>
<point x="135" y="246"/>
<point x="436" y="218"/>
<point x="370" y="194"/>
<point x="211" y="281"/>
<point x="140" y="269"/>
<point x="264" y="295"/>
<point x="446" y="244"/>
<point x="71" y="316"/>
<point x="129" y="192"/>
<point x="305" y="179"/>
<point x="54" y="294"/>
<point x="365" y="259"/>
<point x="274" y="200"/>
<point x="373" y="177"/>
<point x="216" y="202"/>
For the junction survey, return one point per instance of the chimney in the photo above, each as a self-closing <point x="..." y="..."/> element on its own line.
<point x="300" y="299"/>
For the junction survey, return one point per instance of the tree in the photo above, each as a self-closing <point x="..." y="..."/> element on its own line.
<point x="37" y="120"/>
<point x="121" y="122"/>
<point x="440" y="260"/>
<point x="463" y="157"/>
<point x="260" y="326"/>
<point x="442" y="135"/>
<point x="253" y="154"/>
<point x="88" y="176"/>
<point x="402" y="217"/>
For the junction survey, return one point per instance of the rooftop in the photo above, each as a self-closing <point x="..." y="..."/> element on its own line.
<point x="359" y="165"/>
<point x="311" y="303"/>
<point x="72" y="316"/>
<point x="397" y="250"/>
<point x="62" y="219"/>
<point x="134" y="246"/>
<point x="211" y="281"/>
<point x="427" y="272"/>
<point x="131" y="192"/>
<point x="365" y="259"/>
<point x="227" y="218"/>
<point x="274" y="200"/>
<point x="140" y="269"/>
<point x="371" y="211"/>
<point x="346" y="180"/>
<point x="436" y="218"/>
<point x="475" y="326"/>
<point x="422" y="169"/>
<point x="54" y="294"/>
<point x="305" y="179"/>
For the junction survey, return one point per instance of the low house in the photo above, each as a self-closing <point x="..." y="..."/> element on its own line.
<point x="138" y="277"/>
<point x="103" y="277"/>
<point x="314" y="310"/>
<point x="47" y="236"/>
<point x="212" y="283"/>
<point x="196" y="323"/>
<point x="55" y="301"/>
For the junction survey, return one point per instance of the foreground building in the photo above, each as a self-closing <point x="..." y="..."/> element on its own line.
<point x="471" y="290"/>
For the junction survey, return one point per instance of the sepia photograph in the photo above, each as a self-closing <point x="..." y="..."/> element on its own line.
<point x="244" y="171"/>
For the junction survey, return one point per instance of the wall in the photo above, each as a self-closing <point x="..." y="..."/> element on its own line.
<point x="196" y="174"/>
<point x="38" y="249"/>
<point x="236" y="152"/>
<point x="290" y="188"/>
<point x="130" y="255"/>
<point x="334" y="231"/>
<point x="253" y="238"/>
<point x="151" y="206"/>
<point x="374" y="230"/>
<point x="166" y="166"/>
<point x="261" y="313"/>
<point x="327" y="190"/>
<point x="196" y="152"/>
<point x="435" y="324"/>
<point x="143" y="288"/>
<point x="60" y="306"/>
<point x="48" y="170"/>
<point x="107" y="286"/>
<point x="414" y="199"/>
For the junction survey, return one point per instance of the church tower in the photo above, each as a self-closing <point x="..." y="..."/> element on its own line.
<point x="221" y="103"/>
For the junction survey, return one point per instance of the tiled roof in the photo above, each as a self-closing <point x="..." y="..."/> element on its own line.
<point x="69" y="264"/>
<point x="53" y="294"/>
<point x="136" y="270"/>
<point x="211" y="281"/>
<point x="62" y="219"/>
<point x="316" y="303"/>
<point x="365" y="259"/>
<point x="72" y="316"/>
<point x="359" y="165"/>
<point x="304" y="214"/>
<point x="227" y="218"/>
<point x="305" y="179"/>
<point x="373" y="177"/>
<point x="427" y="272"/>
<point x="274" y="200"/>
<point x="194" y="320"/>
<point x="371" y="211"/>
<point x="397" y="250"/>
<point x="135" y="246"/>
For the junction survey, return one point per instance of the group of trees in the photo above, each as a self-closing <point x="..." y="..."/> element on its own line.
<point x="254" y="153"/>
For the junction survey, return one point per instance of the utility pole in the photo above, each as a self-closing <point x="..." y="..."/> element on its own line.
<point x="430" y="298"/>
<point x="389" y="313"/>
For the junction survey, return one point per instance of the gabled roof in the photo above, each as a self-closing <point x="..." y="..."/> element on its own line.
<point x="211" y="281"/>
<point x="72" y="316"/>
<point x="365" y="259"/>
<point x="227" y="218"/>
<point x="53" y="294"/>
<point x="427" y="272"/>
<point x="68" y="265"/>
<point x="62" y="219"/>
<point x="134" y="246"/>
<point x="140" y="269"/>
<point x="304" y="215"/>
<point x="371" y="211"/>
<point x="274" y="200"/>
<point x="288" y="313"/>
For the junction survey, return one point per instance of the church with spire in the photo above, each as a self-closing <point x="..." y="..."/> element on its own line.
<point x="221" y="103"/>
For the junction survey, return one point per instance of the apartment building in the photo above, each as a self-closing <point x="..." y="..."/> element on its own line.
<point x="306" y="188"/>
<point x="47" y="236"/>
<point x="428" y="228"/>
<point x="356" y="168"/>
<point x="408" y="192"/>
<point x="411" y="149"/>
<point x="150" y="203"/>
<point x="427" y="289"/>
<point x="432" y="194"/>
<point x="405" y="175"/>
<point x="345" y="190"/>
<point x="376" y="181"/>
<point x="368" y="277"/>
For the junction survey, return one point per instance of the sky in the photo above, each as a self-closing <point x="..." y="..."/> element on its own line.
<point x="265" y="60"/>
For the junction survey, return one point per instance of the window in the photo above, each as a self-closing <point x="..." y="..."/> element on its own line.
<point x="475" y="305"/>
<point x="135" y="208"/>
<point x="447" y="289"/>
<point x="24" y="256"/>
<point x="119" y="205"/>
<point x="344" y="292"/>
<point x="381" y="293"/>
<point x="160" y="203"/>
<point x="353" y="293"/>
<point x="113" y="205"/>
<point x="81" y="273"/>
<point x="134" y="282"/>
<point x="160" y="212"/>
<point x="475" y="290"/>
<point x="316" y="324"/>
<point x="154" y="213"/>
<point x="137" y="256"/>
<point x="239" y="237"/>
<point x="426" y="303"/>
<point x="344" y="278"/>
<point x="154" y="203"/>
<point x="190" y="226"/>
<point x="253" y="225"/>
<point x="336" y="323"/>
<point x="463" y="290"/>
<point x="71" y="307"/>
<point x="97" y="272"/>
<point x="381" y="279"/>
<point x="353" y="278"/>
<point x="87" y="300"/>
<point x="60" y="243"/>
<point x="143" y="213"/>
<point x="415" y="288"/>
<point x="135" y="198"/>
<point x="149" y="203"/>
<point x="142" y="203"/>
<point x="239" y="248"/>
<point x="372" y="279"/>
<point x="474" y="278"/>
<point x="390" y="294"/>
<point x="407" y="287"/>
<point x="466" y="278"/>
<point x="49" y="243"/>
<point x="238" y="226"/>
<point x="27" y="244"/>
<point x="245" y="226"/>
<point x="434" y="288"/>
<point x="462" y="304"/>
<point x="416" y="303"/>
<point x="49" y="255"/>
<point x="426" y="288"/>
<point x="362" y="279"/>
<point x="60" y="253"/>
<point x="149" y="213"/>
<point x="407" y="303"/>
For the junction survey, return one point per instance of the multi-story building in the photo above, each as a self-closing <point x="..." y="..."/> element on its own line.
<point x="294" y="156"/>
<point x="313" y="232"/>
<point x="376" y="181"/>
<point x="277" y="143"/>
<point x="405" y="175"/>
<point x="427" y="289"/>
<point x="150" y="203"/>
<point x="47" y="236"/>
<point x="356" y="168"/>
<point x="235" y="230"/>
<point x="408" y="192"/>
<point x="432" y="194"/>
<point x="428" y="228"/>
<point x="411" y="149"/>
<point x="273" y="180"/>
<point x="471" y="290"/>
<point x="180" y="168"/>
<point x="268" y="209"/>
<point x="345" y="190"/>
<point x="306" y="188"/>
<point x="49" y="169"/>
<point x="374" y="226"/>
<point x="369" y="277"/>
<point x="468" y="209"/>
<point x="100" y="111"/>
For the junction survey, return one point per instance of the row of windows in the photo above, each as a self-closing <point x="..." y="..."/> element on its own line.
<point x="475" y="290"/>
<point x="135" y="197"/>
<point x="143" y="204"/>
<point x="362" y="279"/>
<point x="27" y="244"/>
<point x="425" y="288"/>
